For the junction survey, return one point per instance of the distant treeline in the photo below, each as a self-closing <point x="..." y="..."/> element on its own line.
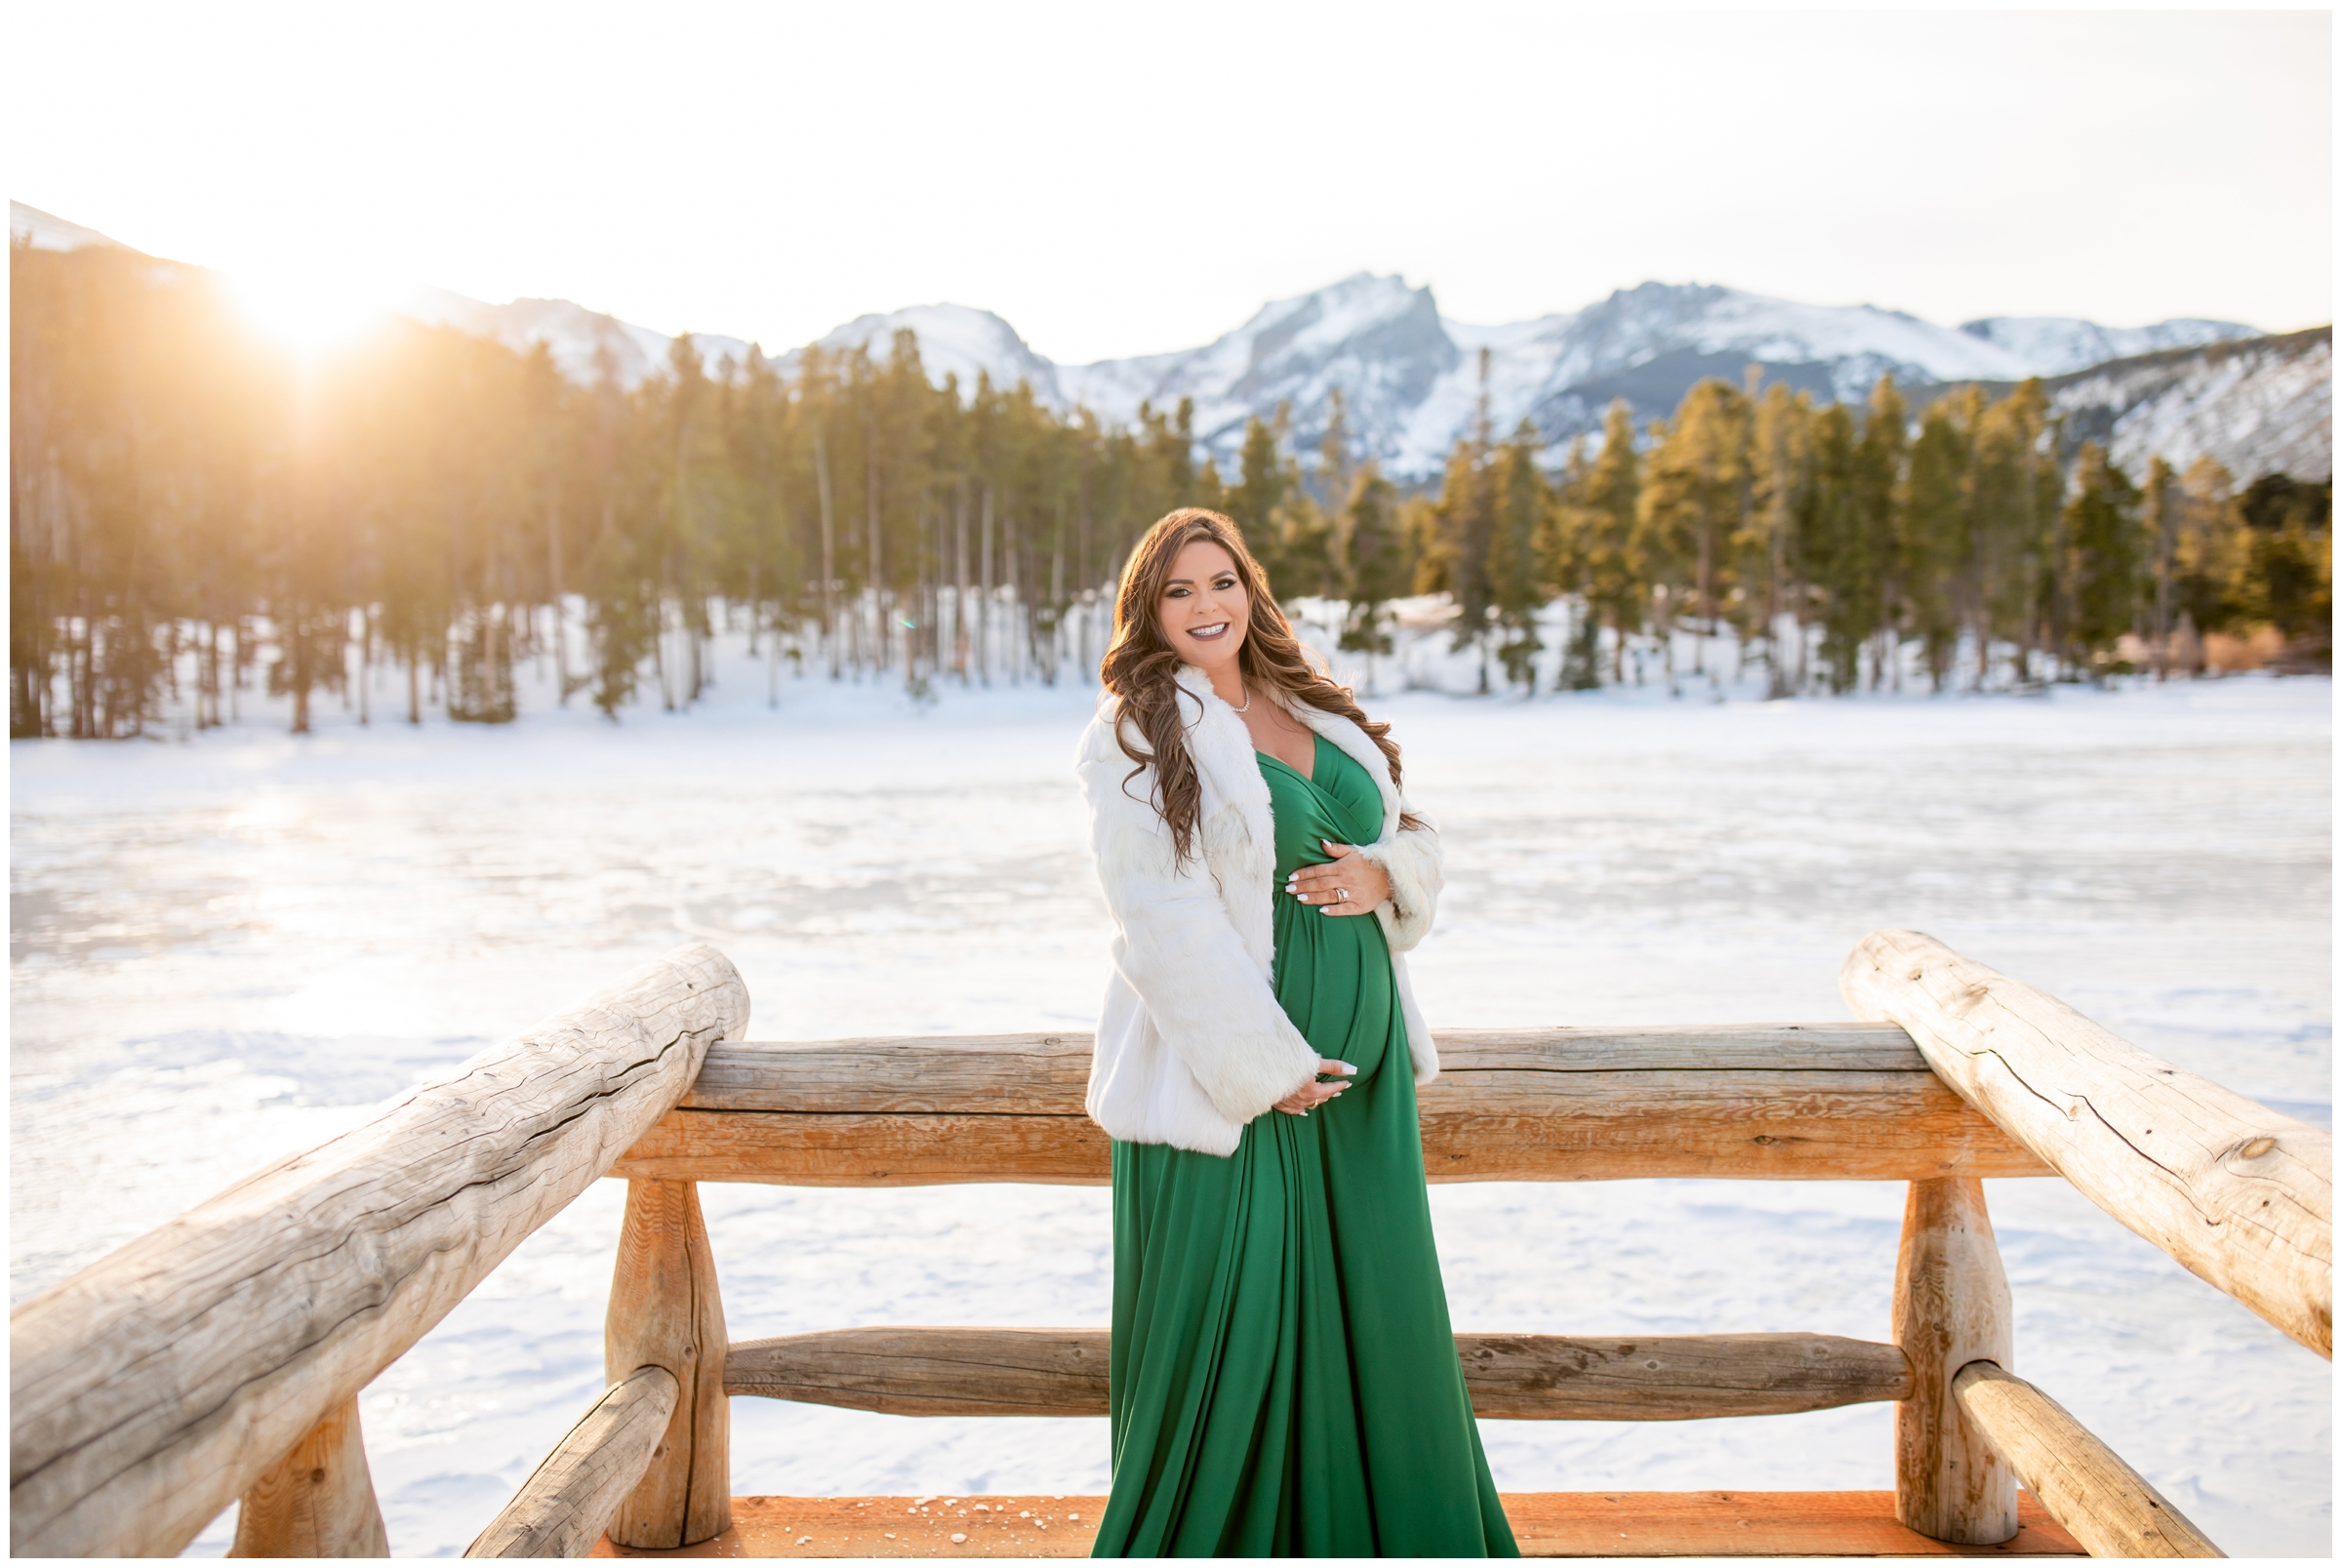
<point x="192" y="512"/>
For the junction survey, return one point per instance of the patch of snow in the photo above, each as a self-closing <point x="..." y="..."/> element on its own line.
<point x="585" y="345"/>
<point x="955" y="342"/>
<point x="2257" y="407"/>
<point x="2055" y="345"/>
<point x="45" y="231"/>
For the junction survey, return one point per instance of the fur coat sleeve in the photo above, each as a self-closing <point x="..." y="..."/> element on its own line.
<point x="1203" y="984"/>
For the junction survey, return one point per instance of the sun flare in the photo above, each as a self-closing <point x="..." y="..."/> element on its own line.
<point x="307" y="314"/>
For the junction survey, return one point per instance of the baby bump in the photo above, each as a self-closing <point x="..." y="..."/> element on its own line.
<point x="1334" y="981"/>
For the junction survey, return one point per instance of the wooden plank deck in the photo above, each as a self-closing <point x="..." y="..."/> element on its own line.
<point x="1547" y="1524"/>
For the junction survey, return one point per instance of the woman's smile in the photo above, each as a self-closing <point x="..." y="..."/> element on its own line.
<point x="1210" y="632"/>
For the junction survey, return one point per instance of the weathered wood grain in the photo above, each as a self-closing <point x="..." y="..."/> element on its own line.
<point x="1047" y="1074"/>
<point x="318" y="1500"/>
<point x="1515" y="1376"/>
<point x="1673" y="1377"/>
<point x="562" y="1508"/>
<point x="1950" y="1307"/>
<point x="1483" y="1125"/>
<point x="665" y="1311"/>
<point x="868" y="1150"/>
<point x="2107" y="1505"/>
<point x="158" y="1385"/>
<point x="1479" y="1125"/>
<point x="924" y="1371"/>
<point x="2242" y="1196"/>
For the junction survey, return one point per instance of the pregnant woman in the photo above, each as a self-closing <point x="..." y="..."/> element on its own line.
<point x="1283" y="1381"/>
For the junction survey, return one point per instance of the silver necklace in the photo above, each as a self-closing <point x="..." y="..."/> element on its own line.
<point x="1248" y="707"/>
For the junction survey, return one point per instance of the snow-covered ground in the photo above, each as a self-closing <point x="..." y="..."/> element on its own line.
<point x="229" y="949"/>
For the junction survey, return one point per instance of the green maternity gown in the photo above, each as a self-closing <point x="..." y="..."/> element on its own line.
<point x="1282" y="1378"/>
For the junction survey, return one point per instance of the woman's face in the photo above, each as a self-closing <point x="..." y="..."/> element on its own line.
<point x="1204" y="608"/>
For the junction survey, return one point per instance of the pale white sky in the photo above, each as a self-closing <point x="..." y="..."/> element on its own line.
<point x="1123" y="178"/>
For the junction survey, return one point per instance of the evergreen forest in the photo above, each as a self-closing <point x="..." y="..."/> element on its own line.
<point x="194" y="514"/>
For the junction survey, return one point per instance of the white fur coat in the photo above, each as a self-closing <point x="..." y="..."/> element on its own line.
<point x="1192" y="1043"/>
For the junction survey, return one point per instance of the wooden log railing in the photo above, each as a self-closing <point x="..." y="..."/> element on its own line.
<point x="1511" y="1376"/>
<point x="164" y="1382"/>
<point x="220" y="1357"/>
<point x="1828" y="1102"/>
<point x="2105" y="1503"/>
<point x="564" y="1507"/>
<point x="2241" y="1195"/>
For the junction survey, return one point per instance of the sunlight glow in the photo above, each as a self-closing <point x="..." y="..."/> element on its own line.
<point x="310" y="314"/>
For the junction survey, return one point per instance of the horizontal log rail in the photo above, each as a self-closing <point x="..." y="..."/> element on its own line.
<point x="2241" y="1195"/>
<point x="2109" y="1506"/>
<point x="563" y="1508"/>
<point x="1511" y="1376"/>
<point x="1766" y="1102"/>
<point x="157" y="1385"/>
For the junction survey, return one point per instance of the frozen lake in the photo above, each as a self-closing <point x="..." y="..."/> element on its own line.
<point x="229" y="950"/>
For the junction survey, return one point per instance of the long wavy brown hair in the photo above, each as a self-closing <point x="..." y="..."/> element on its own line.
<point x="1140" y="667"/>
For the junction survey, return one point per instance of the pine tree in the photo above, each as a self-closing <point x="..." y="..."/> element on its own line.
<point x="1335" y="469"/>
<point x="1935" y="536"/>
<point x="1616" y="588"/>
<point x="2102" y="551"/>
<point x="2289" y="563"/>
<point x="1878" y="519"/>
<point x="1831" y="548"/>
<point x="1374" y="565"/>
<point x="2208" y="559"/>
<point x="1260" y="489"/>
<point x="2162" y="520"/>
<point x="1694" y="494"/>
<point x="1781" y="489"/>
<point x="1520" y="516"/>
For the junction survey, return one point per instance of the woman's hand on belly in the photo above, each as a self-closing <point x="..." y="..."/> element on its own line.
<point x="1314" y="1093"/>
<point x="1348" y="884"/>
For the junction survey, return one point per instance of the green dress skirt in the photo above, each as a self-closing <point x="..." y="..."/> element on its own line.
<point x="1282" y="1378"/>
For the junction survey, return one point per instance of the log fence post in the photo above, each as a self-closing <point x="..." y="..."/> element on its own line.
<point x="665" y="1311"/>
<point x="318" y="1500"/>
<point x="1950" y="1307"/>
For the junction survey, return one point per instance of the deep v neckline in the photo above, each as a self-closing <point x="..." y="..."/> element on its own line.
<point x="1309" y="777"/>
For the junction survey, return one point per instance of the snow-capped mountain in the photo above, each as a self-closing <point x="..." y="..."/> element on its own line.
<point x="1413" y="380"/>
<point x="954" y="340"/>
<point x="45" y="231"/>
<point x="2265" y="405"/>
<point x="2056" y="345"/>
<point x="585" y="344"/>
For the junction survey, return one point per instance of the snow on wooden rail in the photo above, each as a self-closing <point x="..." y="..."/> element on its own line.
<point x="2241" y="1195"/>
<point x="154" y="1388"/>
<point x="1774" y="1101"/>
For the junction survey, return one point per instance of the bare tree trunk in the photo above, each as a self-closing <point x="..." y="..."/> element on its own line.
<point x="983" y="612"/>
<point x="552" y="538"/>
<point x="960" y="591"/>
<point x="879" y="659"/>
<point x="821" y="475"/>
